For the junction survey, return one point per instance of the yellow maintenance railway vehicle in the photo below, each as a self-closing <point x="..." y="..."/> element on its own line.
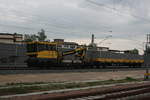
<point x="47" y="54"/>
<point x="41" y="53"/>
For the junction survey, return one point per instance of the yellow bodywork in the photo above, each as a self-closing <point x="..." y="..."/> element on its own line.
<point x="43" y="53"/>
<point x="75" y="51"/>
<point x="47" y="54"/>
<point x="110" y="60"/>
<point x="39" y="42"/>
<point x="147" y="74"/>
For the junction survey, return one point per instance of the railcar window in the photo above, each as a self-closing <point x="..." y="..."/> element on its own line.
<point x="31" y="48"/>
<point x="52" y="47"/>
<point x="42" y="47"/>
<point x="49" y="47"/>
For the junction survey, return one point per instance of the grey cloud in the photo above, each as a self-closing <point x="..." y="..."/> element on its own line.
<point x="76" y="18"/>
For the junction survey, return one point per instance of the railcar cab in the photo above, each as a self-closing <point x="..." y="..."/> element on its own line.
<point x="41" y="53"/>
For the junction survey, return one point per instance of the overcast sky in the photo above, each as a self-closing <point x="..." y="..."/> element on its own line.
<point x="128" y="21"/>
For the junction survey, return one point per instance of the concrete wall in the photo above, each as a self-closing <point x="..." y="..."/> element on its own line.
<point x="12" y="55"/>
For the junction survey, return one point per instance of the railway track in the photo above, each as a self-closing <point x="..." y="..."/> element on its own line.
<point x="15" y="68"/>
<point x="26" y="70"/>
<point x="129" y="91"/>
<point x="125" y="92"/>
<point x="122" y="95"/>
<point x="67" y="68"/>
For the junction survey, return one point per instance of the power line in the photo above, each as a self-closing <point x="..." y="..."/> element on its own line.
<point x="116" y="10"/>
<point x="56" y="32"/>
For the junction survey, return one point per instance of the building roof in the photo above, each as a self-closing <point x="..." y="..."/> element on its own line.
<point x="70" y="43"/>
<point x="10" y="34"/>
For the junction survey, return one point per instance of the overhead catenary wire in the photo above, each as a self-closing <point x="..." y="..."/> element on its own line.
<point x="123" y="13"/>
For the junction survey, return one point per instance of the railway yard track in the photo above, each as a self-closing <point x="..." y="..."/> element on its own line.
<point x="20" y="70"/>
<point x="136" y="94"/>
<point x="120" y="92"/>
<point x="127" y="91"/>
<point x="67" y="68"/>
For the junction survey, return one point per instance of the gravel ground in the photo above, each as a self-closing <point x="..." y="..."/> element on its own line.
<point x="69" y="77"/>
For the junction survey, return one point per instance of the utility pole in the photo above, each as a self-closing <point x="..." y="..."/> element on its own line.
<point x="147" y="51"/>
<point x="147" y="46"/>
<point x="92" y="40"/>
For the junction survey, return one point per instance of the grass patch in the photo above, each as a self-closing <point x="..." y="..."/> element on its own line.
<point x="53" y="86"/>
<point x="24" y="83"/>
<point x="130" y="79"/>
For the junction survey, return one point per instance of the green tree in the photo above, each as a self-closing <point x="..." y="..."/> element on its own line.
<point x="33" y="37"/>
<point x="41" y="35"/>
<point x="135" y="51"/>
<point x="30" y="37"/>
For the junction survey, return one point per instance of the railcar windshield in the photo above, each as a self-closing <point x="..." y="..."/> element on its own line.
<point x="42" y="47"/>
